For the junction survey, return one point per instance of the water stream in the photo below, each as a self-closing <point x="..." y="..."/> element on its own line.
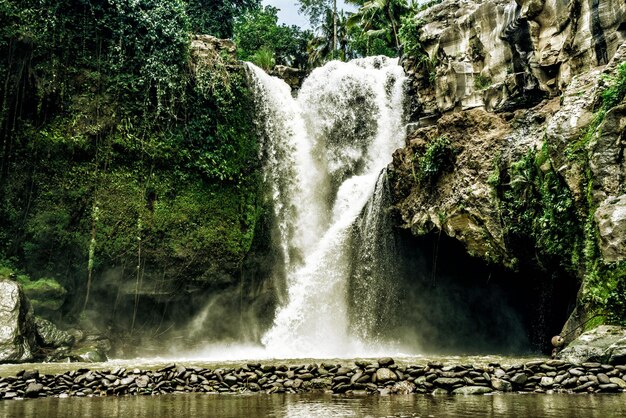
<point x="324" y="151"/>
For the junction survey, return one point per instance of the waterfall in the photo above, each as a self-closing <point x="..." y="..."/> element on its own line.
<point x="323" y="153"/>
<point x="376" y="274"/>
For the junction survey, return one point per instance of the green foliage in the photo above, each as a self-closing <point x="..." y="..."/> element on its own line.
<point x="363" y="45"/>
<point x="437" y="158"/>
<point x="320" y="48"/>
<point x="616" y="91"/>
<point x="263" y="58"/>
<point x="217" y="17"/>
<point x="410" y="36"/>
<point x="612" y="95"/>
<point x="538" y="207"/>
<point x="605" y="284"/>
<point x="615" y="285"/>
<point x="481" y="82"/>
<point x="380" y="19"/>
<point x="107" y="131"/>
<point x="412" y="47"/>
<point x="315" y="9"/>
<point x="424" y="6"/>
<point x="45" y="294"/>
<point x="257" y="34"/>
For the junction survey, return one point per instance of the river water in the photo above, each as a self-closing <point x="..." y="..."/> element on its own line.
<point x="319" y="405"/>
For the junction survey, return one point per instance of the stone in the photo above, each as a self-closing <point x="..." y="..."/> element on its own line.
<point x="385" y="361"/>
<point x="471" y="390"/>
<point x="448" y="381"/>
<point x="142" y="381"/>
<point x="585" y="386"/>
<point x="440" y="392"/>
<point x="30" y="374"/>
<point x="17" y="327"/>
<point x="619" y="382"/>
<point x="603" y="344"/>
<point x="403" y="388"/>
<point x="343" y="371"/>
<point x="46" y="295"/>
<point x="385" y="375"/>
<point x="292" y="76"/>
<point x="609" y="387"/>
<point x="519" y="379"/>
<point x="501" y="385"/>
<point x="33" y="390"/>
<point x="546" y="382"/>
<point x="356" y="376"/>
<point x="87" y="354"/>
<point x="49" y="335"/>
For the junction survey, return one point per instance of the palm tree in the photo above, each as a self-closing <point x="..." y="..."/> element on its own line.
<point x="333" y="40"/>
<point x="376" y="17"/>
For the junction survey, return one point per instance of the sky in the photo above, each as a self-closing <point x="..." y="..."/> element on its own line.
<point x="288" y="13"/>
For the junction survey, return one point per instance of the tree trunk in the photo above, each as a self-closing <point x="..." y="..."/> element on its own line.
<point x="334" y="27"/>
<point x="393" y="25"/>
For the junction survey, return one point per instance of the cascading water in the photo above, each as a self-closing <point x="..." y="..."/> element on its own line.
<point x="324" y="151"/>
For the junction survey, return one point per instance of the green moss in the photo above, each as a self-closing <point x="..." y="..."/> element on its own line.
<point x="481" y="82"/>
<point x="605" y="284"/>
<point x="44" y="293"/>
<point x="537" y="207"/>
<point x="436" y="159"/>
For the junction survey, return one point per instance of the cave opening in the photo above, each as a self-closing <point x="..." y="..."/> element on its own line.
<point x="448" y="302"/>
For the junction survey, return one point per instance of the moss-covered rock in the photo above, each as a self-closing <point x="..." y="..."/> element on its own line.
<point x="45" y="294"/>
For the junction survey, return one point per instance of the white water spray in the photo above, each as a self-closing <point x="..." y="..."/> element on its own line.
<point x="323" y="153"/>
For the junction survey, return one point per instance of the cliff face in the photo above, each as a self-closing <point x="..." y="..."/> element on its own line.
<point x="496" y="53"/>
<point x="526" y="97"/>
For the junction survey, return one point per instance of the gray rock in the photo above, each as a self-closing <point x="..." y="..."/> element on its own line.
<point x="142" y="381"/>
<point x="51" y="336"/>
<point x="385" y="375"/>
<point x="547" y="382"/>
<point x="519" y="379"/>
<point x="619" y="382"/>
<point x="403" y="388"/>
<point x="17" y="327"/>
<point x="87" y="354"/>
<point x="471" y="390"/>
<point x="609" y="387"/>
<point x="501" y="385"/>
<point x="33" y="389"/>
<point x="603" y="344"/>
<point x="439" y="392"/>
<point x="448" y="381"/>
<point x="385" y="361"/>
<point x="343" y="371"/>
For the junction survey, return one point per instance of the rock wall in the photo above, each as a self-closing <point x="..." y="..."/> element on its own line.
<point x="509" y="78"/>
<point x="500" y="54"/>
<point x="17" y="327"/>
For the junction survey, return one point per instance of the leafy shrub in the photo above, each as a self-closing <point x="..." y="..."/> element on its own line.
<point x="438" y="158"/>
<point x="264" y="58"/>
<point x="538" y="207"/>
<point x="481" y="82"/>
<point x="616" y="91"/>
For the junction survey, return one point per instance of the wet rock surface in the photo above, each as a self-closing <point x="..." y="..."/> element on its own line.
<point x="551" y="376"/>
<point x="604" y="344"/>
<point x="17" y="328"/>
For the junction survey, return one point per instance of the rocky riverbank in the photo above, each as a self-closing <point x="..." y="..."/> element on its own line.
<point x="378" y="377"/>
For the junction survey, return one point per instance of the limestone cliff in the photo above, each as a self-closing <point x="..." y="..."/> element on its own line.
<point x="517" y="90"/>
